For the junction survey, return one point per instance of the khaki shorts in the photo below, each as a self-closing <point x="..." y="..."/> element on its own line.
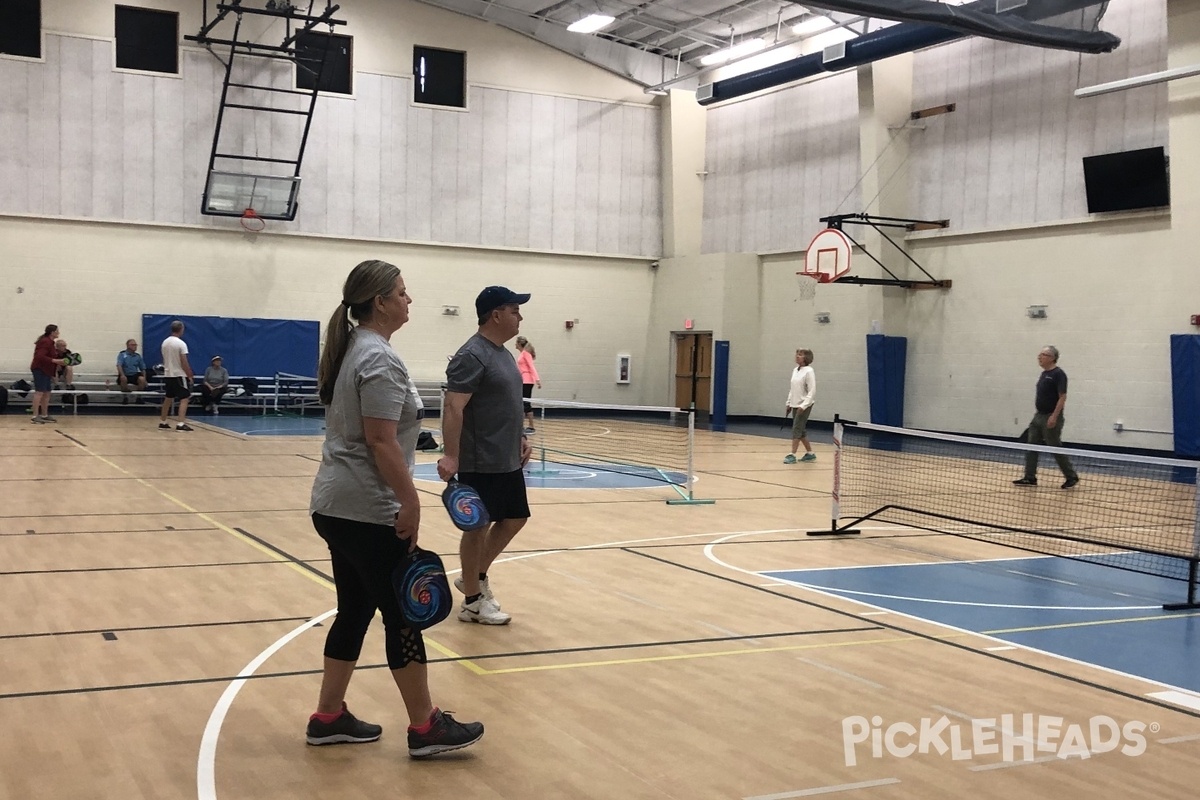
<point x="800" y="422"/>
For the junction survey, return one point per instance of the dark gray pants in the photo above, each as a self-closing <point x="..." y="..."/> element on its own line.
<point x="1041" y="433"/>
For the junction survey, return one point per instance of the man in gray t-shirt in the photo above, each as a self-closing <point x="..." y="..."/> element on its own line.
<point x="485" y="445"/>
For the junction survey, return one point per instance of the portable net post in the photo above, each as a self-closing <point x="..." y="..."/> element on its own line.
<point x="688" y="497"/>
<point x="835" y="511"/>
<point x="542" y="470"/>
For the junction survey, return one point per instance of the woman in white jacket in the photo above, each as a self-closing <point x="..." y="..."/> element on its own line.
<point x="801" y="395"/>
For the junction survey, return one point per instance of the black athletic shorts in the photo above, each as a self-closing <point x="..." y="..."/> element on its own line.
<point x="177" y="388"/>
<point x="503" y="493"/>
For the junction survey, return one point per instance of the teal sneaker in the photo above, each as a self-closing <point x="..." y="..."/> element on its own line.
<point x="809" y="457"/>
<point x="790" y="458"/>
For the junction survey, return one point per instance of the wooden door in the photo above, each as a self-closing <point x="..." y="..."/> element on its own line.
<point x="693" y="371"/>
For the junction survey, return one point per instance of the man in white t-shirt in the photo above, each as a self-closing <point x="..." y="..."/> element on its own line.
<point x="801" y="395"/>
<point x="178" y="376"/>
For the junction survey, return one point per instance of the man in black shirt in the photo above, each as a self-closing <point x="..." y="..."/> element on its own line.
<point x="1047" y="424"/>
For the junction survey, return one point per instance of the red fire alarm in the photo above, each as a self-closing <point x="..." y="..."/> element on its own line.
<point x="1196" y="319"/>
<point x="570" y="324"/>
<point x="687" y="324"/>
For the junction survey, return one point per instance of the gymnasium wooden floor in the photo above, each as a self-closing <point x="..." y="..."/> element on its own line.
<point x="158" y="592"/>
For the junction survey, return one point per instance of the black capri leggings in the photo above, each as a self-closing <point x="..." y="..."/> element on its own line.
<point x="364" y="556"/>
<point x="527" y="392"/>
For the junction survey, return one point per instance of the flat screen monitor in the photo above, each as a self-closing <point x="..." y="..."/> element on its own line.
<point x="1126" y="181"/>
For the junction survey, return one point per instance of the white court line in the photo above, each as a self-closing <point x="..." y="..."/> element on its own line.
<point x="843" y="673"/>
<point x="1179" y="698"/>
<point x="844" y="787"/>
<point x="1177" y="739"/>
<point x="999" y="649"/>
<point x="875" y="613"/>
<point x="710" y="554"/>
<point x="206" y="766"/>
<point x="977" y="605"/>
<point x="206" y="784"/>
<point x="1041" y="577"/>
<point x="1007" y="764"/>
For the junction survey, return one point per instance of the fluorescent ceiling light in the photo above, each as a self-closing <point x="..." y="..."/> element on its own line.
<point x="591" y="23"/>
<point x="737" y="51"/>
<point x="812" y="25"/>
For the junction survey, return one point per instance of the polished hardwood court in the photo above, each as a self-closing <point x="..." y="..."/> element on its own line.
<point x="158" y="632"/>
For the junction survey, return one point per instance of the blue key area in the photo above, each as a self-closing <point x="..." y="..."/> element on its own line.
<point x="553" y="475"/>
<point x="1083" y="611"/>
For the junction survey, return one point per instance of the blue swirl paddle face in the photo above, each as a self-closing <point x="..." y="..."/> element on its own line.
<point x="422" y="590"/>
<point x="467" y="511"/>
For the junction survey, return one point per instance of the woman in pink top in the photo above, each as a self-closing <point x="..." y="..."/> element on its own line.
<point x="529" y="376"/>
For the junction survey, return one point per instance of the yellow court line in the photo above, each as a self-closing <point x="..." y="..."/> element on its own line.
<point x="470" y="665"/>
<point x="1089" y="623"/>
<point x="688" y="656"/>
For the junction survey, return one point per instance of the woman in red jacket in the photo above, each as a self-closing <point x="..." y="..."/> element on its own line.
<point x="43" y="367"/>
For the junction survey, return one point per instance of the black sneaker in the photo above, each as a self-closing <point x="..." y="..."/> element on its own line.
<point x="1069" y="482"/>
<point x="1025" y="482"/>
<point x="444" y="735"/>
<point x="164" y="426"/>
<point x="184" y="427"/>
<point x="346" y="729"/>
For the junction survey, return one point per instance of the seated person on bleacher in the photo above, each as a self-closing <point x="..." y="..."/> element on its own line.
<point x="64" y="376"/>
<point x="216" y="384"/>
<point x="131" y="369"/>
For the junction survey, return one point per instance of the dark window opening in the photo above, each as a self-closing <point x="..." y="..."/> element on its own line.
<point x="147" y="40"/>
<point x="21" y="28"/>
<point x="337" y="74"/>
<point x="440" y="77"/>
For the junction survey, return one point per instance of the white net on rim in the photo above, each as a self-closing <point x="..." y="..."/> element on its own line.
<point x="806" y="283"/>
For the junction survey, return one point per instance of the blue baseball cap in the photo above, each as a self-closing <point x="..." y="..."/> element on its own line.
<point x="493" y="297"/>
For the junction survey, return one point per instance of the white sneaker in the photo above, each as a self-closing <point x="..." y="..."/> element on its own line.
<point x="484" y="612"/>
<point x="485" y="589"/>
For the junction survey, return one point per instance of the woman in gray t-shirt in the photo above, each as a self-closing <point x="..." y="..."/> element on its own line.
<point x="366" y="508"/>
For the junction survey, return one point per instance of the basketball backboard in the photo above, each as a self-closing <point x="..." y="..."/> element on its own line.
<point x="828" y="255"/>
<point x="230" y="194"/>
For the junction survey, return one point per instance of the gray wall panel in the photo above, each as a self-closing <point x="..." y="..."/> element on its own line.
<point x="368" y="111"/>
<point x="515" y="170"/>
<point x="1018" y="121"/>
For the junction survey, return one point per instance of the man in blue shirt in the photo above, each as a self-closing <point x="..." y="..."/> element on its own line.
<point x="131" y="369"/>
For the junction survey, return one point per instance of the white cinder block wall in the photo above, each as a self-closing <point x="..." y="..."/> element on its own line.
<point x="579" y="225"/>
<point x="1005" y="169"/>
<point x="550" y="183"/>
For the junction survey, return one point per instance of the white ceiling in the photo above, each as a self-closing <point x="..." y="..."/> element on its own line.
<point x="656" y="41"/>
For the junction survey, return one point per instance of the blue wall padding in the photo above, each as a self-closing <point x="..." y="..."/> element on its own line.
<point x="720" y="385"/>
<point x="886" y="357"/>
<point x="1185" y="392"/>
<point x="258" y="347"/>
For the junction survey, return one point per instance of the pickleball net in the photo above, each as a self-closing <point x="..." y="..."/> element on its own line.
<point x="1130" y="512"/>
<point x="652" y="443"/>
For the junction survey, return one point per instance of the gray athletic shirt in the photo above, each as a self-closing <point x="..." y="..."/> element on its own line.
<point x="373" y="382"/>
<point x="493" y="420"/>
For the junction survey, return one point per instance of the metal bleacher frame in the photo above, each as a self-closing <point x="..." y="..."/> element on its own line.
<point x="280" y="393"/>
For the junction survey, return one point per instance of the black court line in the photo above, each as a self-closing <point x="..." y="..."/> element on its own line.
<point x="108" y="532"/>
<point x="178" y="513"/>
<point x="267" y="563"/>
<point x="178" y="626"/>
<point x="307" y="458"/>
<point x="72" y="438"/>
<point x="926" y="636"/>
<point x="445" y="660"/>
<point x="285" y="554"/>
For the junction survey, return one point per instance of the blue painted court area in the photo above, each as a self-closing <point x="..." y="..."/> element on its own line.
<point x="266" y="425"/>
<point x="1082" y="611"/>
<point x="552" y="475"/>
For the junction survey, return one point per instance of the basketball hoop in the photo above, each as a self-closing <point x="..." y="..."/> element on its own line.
<point x="252" y="222"/>
<point x="807" y="282"/>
